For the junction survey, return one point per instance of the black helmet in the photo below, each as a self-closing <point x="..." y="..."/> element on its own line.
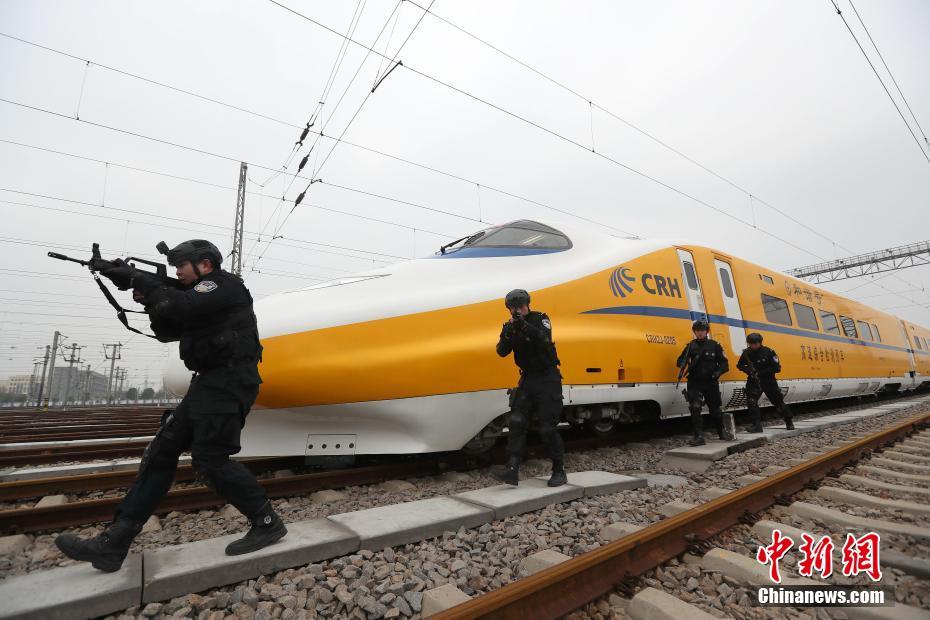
<point x="516" y="298"/>
<point x="754" y="338"/>
<point x="700" y="324"/>
<point x="192" y="250"/>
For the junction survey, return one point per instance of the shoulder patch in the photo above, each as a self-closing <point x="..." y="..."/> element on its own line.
<point x="547" y="324"/>
<point x="206" y="286"/>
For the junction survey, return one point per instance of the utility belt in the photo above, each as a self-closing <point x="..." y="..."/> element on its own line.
<point x="224" y="348"/>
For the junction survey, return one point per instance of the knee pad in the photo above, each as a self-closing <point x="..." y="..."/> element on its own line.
<point x="695" y="408"/>
<point x="161" y="453"/>
<point x="209" y="471"/>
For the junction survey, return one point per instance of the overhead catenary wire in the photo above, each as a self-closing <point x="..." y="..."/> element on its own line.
<point x="555" y="134"/>
<point x="880" y="80"/>
<point x="890" y="74"/>
<point x="289" y="124"/>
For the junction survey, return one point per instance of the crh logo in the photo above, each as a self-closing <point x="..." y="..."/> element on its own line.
<point x="618" y="281"/>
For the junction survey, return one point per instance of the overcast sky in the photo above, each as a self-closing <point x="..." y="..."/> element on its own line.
<point x="773" y="96"/>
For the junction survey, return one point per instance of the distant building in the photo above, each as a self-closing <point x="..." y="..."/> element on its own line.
<point x="16" y="384"/>
<point x="76" y="384"/>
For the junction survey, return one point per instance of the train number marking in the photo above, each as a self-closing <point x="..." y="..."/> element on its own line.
<point x="656" y="339"/>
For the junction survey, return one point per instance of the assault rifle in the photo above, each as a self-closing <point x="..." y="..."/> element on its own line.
<point x="753" y="373"/>
<point x="97" y="264"/>
<point x="683" y="371"/>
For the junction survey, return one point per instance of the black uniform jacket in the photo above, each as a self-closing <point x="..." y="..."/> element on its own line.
<point x="213" y="319"/>
<point x="707" y="360"/>
<point x="531" y="343"/>
<point x="764" y="359"/>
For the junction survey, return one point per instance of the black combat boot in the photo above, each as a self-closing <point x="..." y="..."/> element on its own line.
<point x="510" y="473"/>
<point x="267" y="528"/>
<point x="105" y="551"/>
<point x="789" y="424"/>
<point x="697" y="439"/>
<point x="756" y="426"/>
<point x="558" y="477"/>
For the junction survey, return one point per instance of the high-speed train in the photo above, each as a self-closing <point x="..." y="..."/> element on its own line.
<point x="402" y="359"/>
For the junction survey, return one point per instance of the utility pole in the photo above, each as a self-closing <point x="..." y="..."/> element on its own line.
<point x="32" y="379"/>
<point x="87" y="385"/>
<point x="236" y="253"/>
<point x="71" y="379"/>
<point x="112" y="357"/>
<point x="42" y="382"/>
<point x="122" y="377"/>
<point x="51" y="370"/>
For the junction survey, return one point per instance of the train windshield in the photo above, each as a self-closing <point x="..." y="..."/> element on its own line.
<point x="515" y="238"/>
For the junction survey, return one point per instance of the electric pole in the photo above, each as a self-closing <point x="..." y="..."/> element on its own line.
<point x="32" y="379"/>
<point x="112" y="357"/>
<point x="51" y="370"/>
<point x="71" y="379"/>
<point x="236" y="253"/>
<point x="87" y="384"/>
<point x="122" y="377"/>
<point x="42" y="382"/>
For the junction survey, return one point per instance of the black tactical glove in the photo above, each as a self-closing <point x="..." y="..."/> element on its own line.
<point x="507" y="331"/>
<point x="120" y="273"/>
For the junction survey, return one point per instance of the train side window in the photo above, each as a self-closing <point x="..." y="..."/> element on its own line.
<point x="690" y="276"/>
<point x="875" y="333"/>
<point x="766" y="279"/>
<point x="864" y="330"/>
<point x="776" y="310"/>
<point x="727" y="285"/>
<point x="806" y="317"/>
<point x="917" y="340"/>
<point x="828" y="319"/>
<point x="849" y="326"/>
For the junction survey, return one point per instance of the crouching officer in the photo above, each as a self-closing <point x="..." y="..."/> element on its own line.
<point x="529" y="335"/>
<point x="704" y="361"/>
<point x="211" y="314"/>
<point x="760" y="365"/>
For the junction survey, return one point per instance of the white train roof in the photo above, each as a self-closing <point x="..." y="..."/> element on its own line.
<point x="462" y="276"/>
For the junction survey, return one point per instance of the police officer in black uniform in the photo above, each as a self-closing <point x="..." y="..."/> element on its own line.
<point x="529" y="335"/>
<point x="760" y="365"/>
<point x="704" y="361"/>
<point x="212" y="317"/>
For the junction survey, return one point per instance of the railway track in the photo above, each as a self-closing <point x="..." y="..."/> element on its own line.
<point x="86" y="511"/>
<point x="67" y="424"/>
<point x="569" y="586"/>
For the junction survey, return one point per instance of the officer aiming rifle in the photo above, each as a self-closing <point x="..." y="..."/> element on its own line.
<point x="761" y="364"/>
<point x="704" y="361"/>
<point x="210" y="312"/>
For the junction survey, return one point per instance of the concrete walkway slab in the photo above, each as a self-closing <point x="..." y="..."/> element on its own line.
<point x="506" y="501"/>
<point x="601" y="482"/>
<point x="71" y="592"/>
<point x="828" y="515"/>
<point x="193" y="567"/>
<point x="399" y="524"/>
<point x="863" y="499"/>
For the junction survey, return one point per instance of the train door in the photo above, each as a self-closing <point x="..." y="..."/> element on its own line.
<point x="692" y="285"/>
<point x="912" y="374"/>
<point x="731" y="305"/>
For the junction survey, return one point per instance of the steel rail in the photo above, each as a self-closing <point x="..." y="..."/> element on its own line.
<point x="559" y="590"/>
<point x="71" y="453"/>
<point x="101" y="481"/>
<point x="22" y="520"/>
